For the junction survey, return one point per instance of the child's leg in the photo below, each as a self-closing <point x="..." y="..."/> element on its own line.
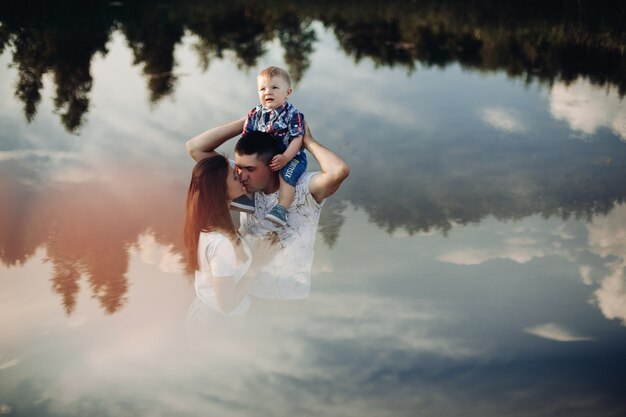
<point x="287" y="191"/>
<point x="286" y="194"/>
<point x="279" y="213"/>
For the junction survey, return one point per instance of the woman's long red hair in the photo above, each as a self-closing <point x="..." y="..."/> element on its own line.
<point x="207" y="205"/>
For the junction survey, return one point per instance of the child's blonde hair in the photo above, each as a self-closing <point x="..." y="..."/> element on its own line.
<point x="271" y="72"/>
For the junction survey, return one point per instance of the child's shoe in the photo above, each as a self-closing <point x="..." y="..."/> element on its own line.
<point x="243" y="203"/>
<point x="278" y="215"/>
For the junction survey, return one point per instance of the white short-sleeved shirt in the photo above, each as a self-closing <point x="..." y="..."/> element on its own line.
<point x="217" y="258"/>
<point x="288" y="275"/>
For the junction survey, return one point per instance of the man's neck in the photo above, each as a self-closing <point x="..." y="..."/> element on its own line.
<point x="273" y="185"/>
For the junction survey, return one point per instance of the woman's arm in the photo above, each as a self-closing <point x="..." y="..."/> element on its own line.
<point x="204" y="144"/>
<point x="334" y="169"/>
<point x="229" y="293"/>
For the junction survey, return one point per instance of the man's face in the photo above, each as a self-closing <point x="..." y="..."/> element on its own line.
<point x="254" y="174"/>
<point x="272" y="91"/>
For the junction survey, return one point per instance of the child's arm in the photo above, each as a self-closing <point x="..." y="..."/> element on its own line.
<point x="281" y="159"/>
<point x="204" y="144"/>
<point x="250" y="125"/>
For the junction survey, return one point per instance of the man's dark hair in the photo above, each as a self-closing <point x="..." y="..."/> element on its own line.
<point x="261" y="144"/>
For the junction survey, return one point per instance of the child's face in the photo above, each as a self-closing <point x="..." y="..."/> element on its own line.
<point x="272" y="91"/>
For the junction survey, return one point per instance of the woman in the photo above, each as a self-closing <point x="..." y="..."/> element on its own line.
<point x="218" y="254"/>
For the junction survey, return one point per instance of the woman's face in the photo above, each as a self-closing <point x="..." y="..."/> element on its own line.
<point x="234" y="187"/>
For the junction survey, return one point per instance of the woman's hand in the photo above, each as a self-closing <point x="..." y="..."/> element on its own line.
<point x="263" y="250"/>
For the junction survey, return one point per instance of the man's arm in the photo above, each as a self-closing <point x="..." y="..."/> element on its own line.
<point x="334" y="169"/>
<point x="204" y="145"/>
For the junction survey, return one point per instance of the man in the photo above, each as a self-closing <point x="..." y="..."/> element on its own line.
<point x="288" y="275"/>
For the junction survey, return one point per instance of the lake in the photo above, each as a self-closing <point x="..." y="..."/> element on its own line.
<point x="473" y="263"/>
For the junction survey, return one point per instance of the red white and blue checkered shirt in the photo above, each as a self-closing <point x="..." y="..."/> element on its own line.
<point x="285" y="123"/>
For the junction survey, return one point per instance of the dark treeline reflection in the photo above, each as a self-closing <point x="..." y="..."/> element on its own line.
<point x="433" y="186"/>
<point x="534" y="40"/>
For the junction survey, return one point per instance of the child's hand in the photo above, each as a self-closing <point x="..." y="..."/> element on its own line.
<point x="278" y="162"/>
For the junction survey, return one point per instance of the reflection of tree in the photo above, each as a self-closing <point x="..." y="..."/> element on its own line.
<point x="435" y="186"/>
<point x="297" y="38"/>
<point x="546" y="41"/>
<point x="87" y="232"/>
<point x="534" y="40"/>
<point x="152" y="34"/>
<point x="85" y="237"/>
<point x="331" y="220"/>
<point x="52" y="41"/>
<point x="16" y="243"/>
<point x="226" y="27"/>
<point x="65" y="278"/>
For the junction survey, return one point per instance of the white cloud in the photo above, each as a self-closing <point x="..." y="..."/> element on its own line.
<point x="522" y="241"/>
<point x="76" y="320"/>
<point x="607" y="235"/>
<point x="562" y="233"/>
<point x="585" y="274"/>
<point x="611" y="296"/>
<point x="153" y="253"/>
<point x="519" y="254"/>
<point x="553" y="331"/>
<point x="607" y="239"/>
<point x="74" y="175"/>
<point x="9" y="364"/>
<point x="502" y="118"/>
<point x="587" y="108"/>
<point x="40" y="153"/>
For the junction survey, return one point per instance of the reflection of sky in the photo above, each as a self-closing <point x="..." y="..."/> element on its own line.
<point x="475" y="322"/>
<point x="404" y="326"/>
<point x="587" y="108"/>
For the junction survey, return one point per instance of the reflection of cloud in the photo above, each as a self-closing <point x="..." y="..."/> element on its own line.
<point x="153" y="253"/>
<point x="552" y="331"/>
<point x="611" y="296"/>
<point x="520" y="254"/>
<point x="607" y="238"/>
<point x="74" y="175"/>
<point x="322" y="268"/>
<point x="562" y="233"/>
<point x="587" y="108"/>
<point x="9" y="364"/>
<point x="386" y="109"/>
<point x="76" y="321"/>
<point x="585" y="274"/>
<point x="520" y="243"/>
<point x="386" y="321"/>
<point x="502" y="119"/>
<point x="607" y="235"/>
<point x="40" y="153"/>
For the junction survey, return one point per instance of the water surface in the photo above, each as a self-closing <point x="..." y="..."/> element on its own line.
<point x="472" y="264"/>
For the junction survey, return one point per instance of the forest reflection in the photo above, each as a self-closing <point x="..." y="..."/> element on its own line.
<point x="88" y="230"/>
<point x="537" y="41"/>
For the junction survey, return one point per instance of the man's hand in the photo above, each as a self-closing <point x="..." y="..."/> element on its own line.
<point x="278" y="162"/>
<point x="264" y="248"/>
